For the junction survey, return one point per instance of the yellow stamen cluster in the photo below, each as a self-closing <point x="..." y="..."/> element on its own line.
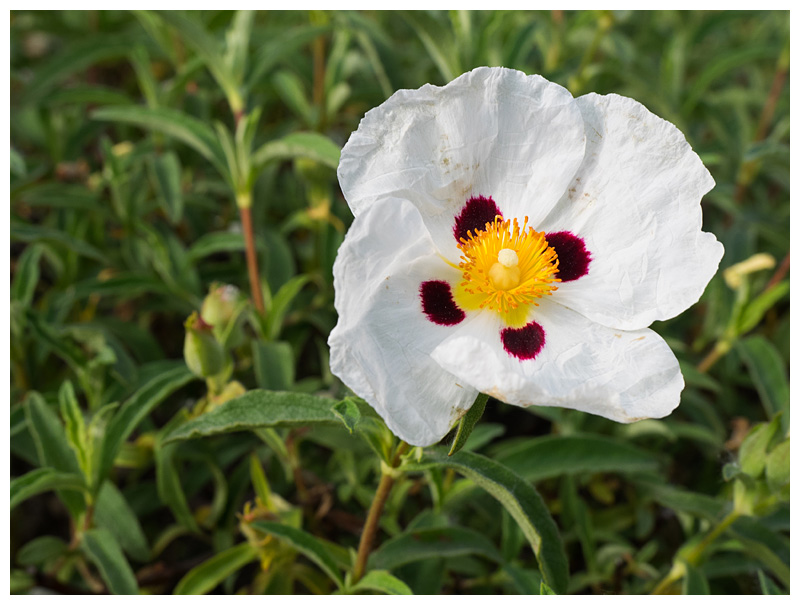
<point x="506" y="268"/>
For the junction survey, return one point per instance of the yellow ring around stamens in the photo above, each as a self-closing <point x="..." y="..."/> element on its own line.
<point x="506" y="269"/>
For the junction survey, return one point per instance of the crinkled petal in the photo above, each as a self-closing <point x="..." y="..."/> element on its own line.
<point x="492" y="131"/>
<point x="381" y="345"/>
<point x="622" y="375"/>
<point x="636" y="202"/>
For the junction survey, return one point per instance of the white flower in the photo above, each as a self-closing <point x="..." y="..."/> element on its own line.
<point x="512" y="240"/>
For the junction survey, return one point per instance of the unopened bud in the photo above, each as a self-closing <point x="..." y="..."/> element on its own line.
<point x="219" y="304"/>
<point x="735" y="274"/>
<point x="201" y="350"/>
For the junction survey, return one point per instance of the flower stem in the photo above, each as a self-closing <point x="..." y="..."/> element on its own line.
<point x="374" y="515"/>
<point x="693" y="556"/>
<point x="252" y="259"/>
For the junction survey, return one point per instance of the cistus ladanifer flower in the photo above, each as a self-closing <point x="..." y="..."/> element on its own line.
<point x="513" y="240"/>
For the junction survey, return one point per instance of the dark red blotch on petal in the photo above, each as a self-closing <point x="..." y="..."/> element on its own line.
<point x="525" y="342"/>
<point x="573" y="257"/>
<point x="474" y="215"/>
<point x="438" y="303"/>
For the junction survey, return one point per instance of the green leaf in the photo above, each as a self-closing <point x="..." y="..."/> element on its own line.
<point x="274" y="365"/>
<point x="112" y="512"/>
<point x="43" y="549"/>
<point x="754" y="448"/>
<point x="383" y="582"/>
<point x="544" y="589"/>
<point x="43" y="480"/>
<point x="52" y="447"/>
<point x="310" y="145"/>
<point x="555" y="455"/>
<point x="258" y="409"/>
<point x="432" y="543"/>
<point x="700" y="505"/>
<point x="304" y="543"/>
<point x="446" y="61"/>
<point x="347" y="411"/>
<point x="75" y="57"/>
<point x="126" y="286"/>
<point x="173" y="123"/>
<point x="695" y="582"/>
<point x="526" y="581"/>
<point x="237" y="42"/>
<point x="17" y="163"/>
<point x="259" y="481"/>
<point x="764" y="545"/>
<point x="87" y="95"/>
<point x="103" y="550"/>
<point x="768" y="587"/>
<point x="468" y="422"/>
<point x="26" y="275"/>
<point x="520" y="499"/>
<point x="290" y="88"/>
<point x="135" y="409"/>
<point x="168" y="479"/>
<point x="209" y="50"/>
<point x="35" y="233"/>
<point x="768" y="372"/>
<point x="212" y="243"/>
<point x="285" y="44"/>
<point x="280" y="304"/>
<point x="206" y="576"/>
<point x="75" y="427"/>
<point x="756" y="308"/>
<point x="777" y="466"/>
<point x="166" y="171"/>
<point x="20" y="582"/>
<point x="722" y="64"/>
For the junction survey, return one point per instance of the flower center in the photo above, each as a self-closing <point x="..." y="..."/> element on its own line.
<point x="506" y="268"/>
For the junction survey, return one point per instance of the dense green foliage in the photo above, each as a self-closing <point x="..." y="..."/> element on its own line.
<point x="144" y="144"/>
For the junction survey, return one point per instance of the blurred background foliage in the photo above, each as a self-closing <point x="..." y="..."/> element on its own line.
<point x="145" y="146"/>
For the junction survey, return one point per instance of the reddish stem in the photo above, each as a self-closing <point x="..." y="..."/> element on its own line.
<point x="252" y="259"/>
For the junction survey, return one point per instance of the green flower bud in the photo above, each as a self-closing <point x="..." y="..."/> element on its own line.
<point x="219" y="305"/>
<point x="202" y="352"/>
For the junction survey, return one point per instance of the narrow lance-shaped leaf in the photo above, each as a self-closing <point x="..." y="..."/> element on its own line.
<point x="52" y="447"/>
<point x="468" y="422"/>
<point x="768" y="372"/>
<point x="258" y="409"/>
<point x="137" y="408"/>
<point x="520" y="499"/>
<point x="304" y="543"/>
<point x="383" y="582"/>
<point x="210" y="50"/>
<point x="298" y="145"/>
<point x="36" y="233"/>
<point x="42" y="480"/>
<point x="75" y="427"/>
<point x="166" y="171"/>
<point x="434" y="543"/>
<point x="555" y="455"/>
<point x="174" y="123"/>
<point x="206" y="576"/>
<point x="168" y="481"/>
<point x="26" y="276"/>
<point x="280" y="304"/>
<point x="112" y="512"/>
<point x="348" y="412"/>
<point x="74" y="58"/>
<point x="104" y="551"/>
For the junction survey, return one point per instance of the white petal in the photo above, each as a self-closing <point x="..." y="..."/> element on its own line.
<point x="381" y="346"/>
<point x="624" y="376"/>
<point x="636" y="202"/>
<point x="492" y="131"/>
